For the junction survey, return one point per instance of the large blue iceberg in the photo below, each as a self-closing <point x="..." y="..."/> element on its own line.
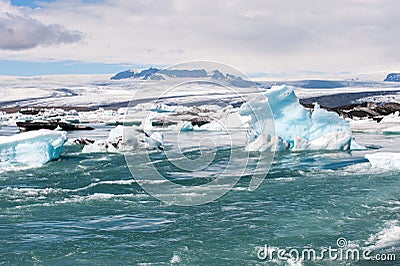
<point x="33" y="148"/>
<point x="296" y="128"/>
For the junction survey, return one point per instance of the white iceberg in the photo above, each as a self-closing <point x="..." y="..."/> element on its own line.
<point x="185" y="126"/>
<point x="100" y="146"/>
<point x="266" y="142"/>
<point x="384" y="160"/>
<point x="391" y="118"/>
<point x="33" y="148"/>
<point x="296" y="128"/>
<point x="125" y="139"/>
<point x="212" y="126"/>
<point x="388" y="125"/>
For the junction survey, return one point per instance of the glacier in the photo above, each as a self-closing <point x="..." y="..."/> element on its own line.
<point x="295" y="127"/>
<point x="33" y="148"/>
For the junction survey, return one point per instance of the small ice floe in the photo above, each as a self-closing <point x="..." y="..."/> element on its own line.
<point x="185" y="126"/>
<point x="212" y="126"/>
<point x="125" y="139"/>
<point x="32" y="148"/>
<point x="154" y="140"/>
<point x="83" y="141"/>
<point x="384" y="160"/>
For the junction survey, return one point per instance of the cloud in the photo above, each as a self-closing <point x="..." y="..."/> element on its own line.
<point x="19" y="31"/>
<point x="254" y="36"/>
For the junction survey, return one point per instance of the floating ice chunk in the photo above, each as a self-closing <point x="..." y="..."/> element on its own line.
<point x="162" y="108"/>
<point x="130" y="139"/>
<point x="391" y="118"/>
<point x="384" y="160"/>
<point x="302" y="129"/>
<point x="159" y="108"/>
<point x="155" y="140"/>
<point x="100" y="146"/>
<point x="32" y="148"/>
<point x="125" y="139"/>
<point x="266" y="142"/>
<point x="185" y="126"/>
<point x="116" y="132"/>
<point x="355" y="146"/>
<point x="147" y="123"/>
<point x="212" y="126"/>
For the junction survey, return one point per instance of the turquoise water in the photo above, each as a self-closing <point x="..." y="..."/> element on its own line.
<point x="87" y="209"/>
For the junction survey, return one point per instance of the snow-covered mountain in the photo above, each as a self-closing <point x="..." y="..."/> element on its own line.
<point x="163" y="74"/>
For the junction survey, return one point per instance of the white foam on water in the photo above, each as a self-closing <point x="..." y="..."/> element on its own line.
<point x="175" y="259"/>
<point x="119" y="182"/>
<point x="110" y="182"/>
<point x="231" y="208"/>
<point x="240" y="188"/>
<point x="99" y="197"/>
<point x="283" y="179"/>
<point x="387" y="237"/>
<point x="7" y="167"/>
<point x="30" y="192"/>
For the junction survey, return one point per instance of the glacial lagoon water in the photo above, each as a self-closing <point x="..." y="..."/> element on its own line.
<point x="88" y="209"/>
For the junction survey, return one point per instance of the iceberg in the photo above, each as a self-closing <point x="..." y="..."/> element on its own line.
<point x="266" y="142"/>
<point x="126" y="139"/>
<point x="384" y="160"/>
<point x="212" y="126"/>
<point x="185" y="126"/>
<point x="33" y="148"/>
<point x="101" y="146"/>
<point x="296" y="128"/>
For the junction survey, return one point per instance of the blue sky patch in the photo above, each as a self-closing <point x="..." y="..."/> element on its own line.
<point x="18" y="68"/>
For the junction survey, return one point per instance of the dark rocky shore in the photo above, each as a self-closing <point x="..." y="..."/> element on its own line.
<point x="344" y="104"/>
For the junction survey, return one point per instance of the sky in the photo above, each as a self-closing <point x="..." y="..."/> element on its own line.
<point x="259" y="37"/>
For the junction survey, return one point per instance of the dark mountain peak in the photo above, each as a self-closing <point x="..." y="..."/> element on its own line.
<point x="216" y="74"/>
<point x="123" y="75"/>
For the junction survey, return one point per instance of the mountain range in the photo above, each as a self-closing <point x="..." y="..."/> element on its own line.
<point x="162" y="74"/>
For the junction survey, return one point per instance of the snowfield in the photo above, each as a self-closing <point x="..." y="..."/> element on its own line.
<point x="93" y="91"/>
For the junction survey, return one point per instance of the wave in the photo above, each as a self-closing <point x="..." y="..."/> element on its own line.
<point x="7" y="167"/>
<point x="30" y="192"/>
<point x="109" y="182"/>
<point x="386" y="238"/>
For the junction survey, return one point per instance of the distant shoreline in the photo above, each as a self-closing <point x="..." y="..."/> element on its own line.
<point x="330" y="101"/>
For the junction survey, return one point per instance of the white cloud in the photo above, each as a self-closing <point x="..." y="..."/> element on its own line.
<point x="19" y="31"/>
<point x="254" y="36"/>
